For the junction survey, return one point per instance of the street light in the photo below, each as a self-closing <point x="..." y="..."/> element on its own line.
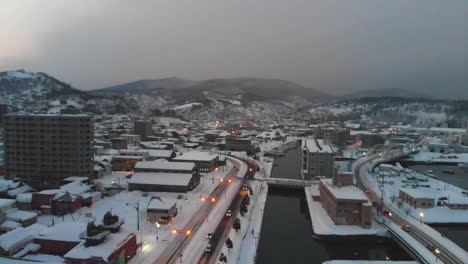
<point x="213" y="199"/>
<point x="421" y="215"/>
<point x="437" y="251"/>
<point x="137" y="207"/>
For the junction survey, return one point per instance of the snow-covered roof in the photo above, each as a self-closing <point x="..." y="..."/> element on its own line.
<point x="420" y="193"/>
<point x="76" y="178"/>
<point x="197" y="156"/>
<point x="20" y="215"/>
<point x="161" y="178"/>
<point x="76" y="187"/>
<point x="44" y="258"/>
<point x="162" y="164"/>
<point x="103" y="250"/>
<point x="4" y="203"/>
<point x="161" y="203"/>
<point x="8" y="184"/>
<point x="349" y="192"/>
<point x="19" y="236"/>
<point x="24" y="198"/>
<point x="318" y="146"/>
<point x="65" y="231"/>
<point x="160" y="153"/>
<point x="9" y="225"/>
<point x="22" y="189"/>
<point x="457" y="199"/>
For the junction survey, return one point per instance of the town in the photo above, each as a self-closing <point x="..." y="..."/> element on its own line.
<point x="233" y="132"/>
<point x="87" y="188"/>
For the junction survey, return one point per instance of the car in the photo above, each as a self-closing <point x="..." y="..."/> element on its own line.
<point x="406" y="228"/>
<point x="209" y="236"/>
<point x="145" y="194"/>
<point x="229" y="212"/>
<point x="209" y="248"/>
<point x="387" y="213"/>
<point x="128" y="176"/>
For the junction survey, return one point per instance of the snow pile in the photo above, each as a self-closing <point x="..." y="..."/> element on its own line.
<point x="186" y="106"/>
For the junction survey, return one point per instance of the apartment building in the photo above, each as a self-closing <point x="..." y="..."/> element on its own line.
<point x="317" y="158"/>
<point x="43" y="149"/>
<point x="143" y="128"/>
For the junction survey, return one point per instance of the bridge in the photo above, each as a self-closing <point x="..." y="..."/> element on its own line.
<point x="288" y="183"/>
<point x="428" y="245"/>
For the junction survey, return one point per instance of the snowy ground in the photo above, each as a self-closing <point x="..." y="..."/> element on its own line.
<point x="124" y="205"/>
<point x="437" y="214"/>
<point x="322" y="224"/>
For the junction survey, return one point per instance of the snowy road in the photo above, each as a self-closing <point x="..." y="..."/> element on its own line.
<point x="441" y="248"/>
<point x="174" y="251"/>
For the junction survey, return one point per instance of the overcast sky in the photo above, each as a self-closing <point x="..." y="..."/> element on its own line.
<point x="334" y="46"/>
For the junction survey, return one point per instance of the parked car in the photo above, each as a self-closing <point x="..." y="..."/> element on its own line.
<point x="406" y="228"/>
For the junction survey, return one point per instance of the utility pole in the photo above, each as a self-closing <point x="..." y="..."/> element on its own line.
<point x="138" y="215"/>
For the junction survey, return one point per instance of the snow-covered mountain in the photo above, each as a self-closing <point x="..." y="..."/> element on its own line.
<point x="216" y="97"/>
<point x="39" y="92"/>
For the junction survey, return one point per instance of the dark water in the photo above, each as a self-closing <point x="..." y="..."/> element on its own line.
<point x="460" y="178"/>
<point x="287" y="236"/>
<point x="458" y="234"/>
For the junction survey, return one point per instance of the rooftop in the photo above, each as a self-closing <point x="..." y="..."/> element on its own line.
<point x="65" y="231"/>
<point x="349" y="192"/>
<point x="103" y="250"/>
<point x="197" y="156"/>
<point x="317" y="146"/>
<point x="162" y="164"/>
<point x="161" y="203"/>
<point x="161" y="178"/>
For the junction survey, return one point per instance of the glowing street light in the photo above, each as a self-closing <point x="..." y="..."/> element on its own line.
<point x="213" y="199"/>
<point x="188" y="232"/>
<point x="421" y="215"/>
<point x="437" y="251"/>
<point x="202" y="199"/>
<point x="174" y="231"/>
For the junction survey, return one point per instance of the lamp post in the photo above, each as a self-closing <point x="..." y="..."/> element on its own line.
<point x="437" y="251"/>
<point x="421" y="215"/>
<point x="137" y="207"/>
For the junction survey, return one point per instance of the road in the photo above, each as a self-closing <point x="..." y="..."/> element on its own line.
<point x="174" y="250"/>
<point x="440" y="251"/>
<point x="225" y="226"/>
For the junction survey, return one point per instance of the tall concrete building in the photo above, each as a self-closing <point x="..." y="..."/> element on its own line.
<point x="3" y="111"/>
<point x="143" y="128"/>
<point x="317" y="158"/>
<point x="42" y="150"/>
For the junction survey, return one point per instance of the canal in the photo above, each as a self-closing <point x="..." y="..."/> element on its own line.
<point x="287" y="235"/>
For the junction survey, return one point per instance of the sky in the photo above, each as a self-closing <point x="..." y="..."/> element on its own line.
<point x="329" y="45"/>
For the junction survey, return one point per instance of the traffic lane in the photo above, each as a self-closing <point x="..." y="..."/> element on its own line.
<point x="222" y="230"/>
<point x="424" y="239"/>
<point x="178" y="244"/>
<point x="214" y="240"/>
